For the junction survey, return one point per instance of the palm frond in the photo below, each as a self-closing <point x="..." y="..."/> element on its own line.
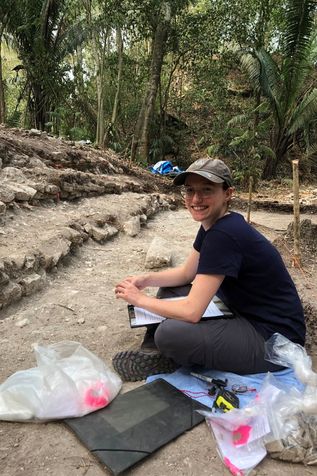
<point x="236" y="141"/>
<point x="267" y="151"/>
<point x="237" y="120"/>
<point x="305" y="112"/>
<point x="311" y="151"/>
<point x="251" y="65"/>
<point x="72" y="36"/>
<point x="243" y="118"/>
<point x="299" y="25"/>
<point x="312" y="50"/>
<point x="270" y="81"/>
<point x="297" y="44"/>
<point x="49" y="18"/>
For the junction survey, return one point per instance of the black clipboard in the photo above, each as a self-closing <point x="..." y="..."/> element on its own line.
<point x="225" y="312"/>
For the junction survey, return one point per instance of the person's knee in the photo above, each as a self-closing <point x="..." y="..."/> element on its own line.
<point x="164" y="337"/>
<point x="178" y="341"/>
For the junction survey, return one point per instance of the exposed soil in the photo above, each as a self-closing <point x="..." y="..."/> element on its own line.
<point x="61" y="254"/>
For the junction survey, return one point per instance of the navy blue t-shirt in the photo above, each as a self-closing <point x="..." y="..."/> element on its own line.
<point x="257" y="284"/>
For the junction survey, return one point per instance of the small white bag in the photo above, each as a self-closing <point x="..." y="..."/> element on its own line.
<point x="69" y="381"/>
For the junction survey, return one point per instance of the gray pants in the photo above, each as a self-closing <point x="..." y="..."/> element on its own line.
<point x="225" y="344"/>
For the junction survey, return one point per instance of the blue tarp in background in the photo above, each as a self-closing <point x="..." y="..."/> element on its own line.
<point x="165" y="167"/>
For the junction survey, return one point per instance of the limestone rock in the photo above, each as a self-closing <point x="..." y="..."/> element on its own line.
<point x="22" y="323"/>
<point x="98" y="234"/>
<point x="88" y="228"/>
<point x="143" y="219"/>
<point x="101" y="234"/>
<point x="6" y="194"/>
<point x="35" y="132"/>
<point x="21" y="192"/>
<point x="32" y="283"/>
<point x="53" y="251"/>
<point x="159" y="254"/>
<point x="31" y="262"/>
<point x="15" y="262"/>
<point x="10" y="293"/>
<point x="36" y="162"/>
<point x="52" y="189"/>
<point x="13" y="174"/>
<point x="111" y="231"/>
<point x="132" y="227"/>
<point x="4" y="278"/>
<point x="2" y="208"/>
<point x="73" y="235"/>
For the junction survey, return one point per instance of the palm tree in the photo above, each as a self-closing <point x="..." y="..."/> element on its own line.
<point x="286" y="83"/>
<point x="38" y="29"/>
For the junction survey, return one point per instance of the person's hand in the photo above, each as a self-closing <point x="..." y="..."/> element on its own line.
<point x="139" y="282"/>
<point x="128" y="291"/>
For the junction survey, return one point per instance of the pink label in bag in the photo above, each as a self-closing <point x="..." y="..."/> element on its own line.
<point x="97" y="396"/>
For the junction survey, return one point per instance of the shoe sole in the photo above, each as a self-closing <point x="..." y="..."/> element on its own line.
<point x="134" y="365"/>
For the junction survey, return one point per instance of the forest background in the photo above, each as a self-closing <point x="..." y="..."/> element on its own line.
<point x="167" y="80"/>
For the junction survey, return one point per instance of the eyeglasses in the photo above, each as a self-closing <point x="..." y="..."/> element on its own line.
<point x="205" y="192"/>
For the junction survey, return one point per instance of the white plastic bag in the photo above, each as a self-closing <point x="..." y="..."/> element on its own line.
<point x="69" y="381"/>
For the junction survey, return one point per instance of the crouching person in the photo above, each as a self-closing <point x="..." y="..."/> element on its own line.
<point x="229" y="258"/>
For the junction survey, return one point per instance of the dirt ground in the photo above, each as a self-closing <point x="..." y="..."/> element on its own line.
<point x="65" y="241"/>
<point x="78" y="304"/>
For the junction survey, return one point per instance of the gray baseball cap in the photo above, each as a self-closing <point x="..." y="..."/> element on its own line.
<point x="214" y="170"/>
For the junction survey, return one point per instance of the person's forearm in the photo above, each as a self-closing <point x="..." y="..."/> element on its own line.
<point x="168" y="277"/>
<point x="181" y="310"/>
<point x="191" y="307"/>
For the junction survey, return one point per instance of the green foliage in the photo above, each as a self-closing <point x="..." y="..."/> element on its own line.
<point x="285" y="85"/>
<point x="38" y="29"/>
<point x="14" y="119"/>
<point x="64" y="54"/>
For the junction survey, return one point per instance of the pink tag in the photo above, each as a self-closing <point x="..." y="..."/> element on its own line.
<point x="241" y="435"/>
<point x="97" y="396"/>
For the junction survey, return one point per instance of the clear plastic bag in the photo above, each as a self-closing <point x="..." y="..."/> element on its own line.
<point x="69" y="381"/>
<point x="294" y="414"/>
<point x="281" y="351"/>
<point x="281" y="420"/>
<point x="239" y="436"/>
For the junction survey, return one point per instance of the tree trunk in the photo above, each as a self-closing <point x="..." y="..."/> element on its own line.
<point x="40" y="107"/>
<point x="280" y="144"/>
<point x="120" y="64"/>
<point x="111" y="126"/>
<point x="99" y="40"/>
<point x="269" y="170"/>
<point x="100" y="106"/>
<point x="85" y="106"/>
<point x="140" y="144"/>
<point x="100" y="53"/>
<point x="2" y="98"/>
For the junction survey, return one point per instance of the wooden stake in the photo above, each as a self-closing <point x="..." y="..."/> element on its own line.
<point x="250" y="198"/>
<point x="296" y="261"/>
